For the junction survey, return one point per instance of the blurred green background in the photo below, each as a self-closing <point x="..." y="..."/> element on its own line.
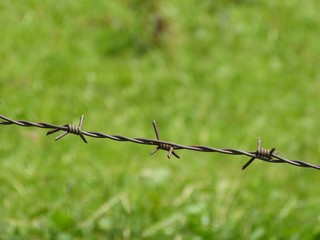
<point x="217" y="73"/>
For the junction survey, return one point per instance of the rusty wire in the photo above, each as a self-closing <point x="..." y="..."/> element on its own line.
<point x="261" y="153"/>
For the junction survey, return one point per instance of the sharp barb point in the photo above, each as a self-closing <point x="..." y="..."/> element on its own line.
<point x="248" y="163"/>
<point x="176" y="155"/>
<point x="156" y="130"/>
<point x="154" y="151"/>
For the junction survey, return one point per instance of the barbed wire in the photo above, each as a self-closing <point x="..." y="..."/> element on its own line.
<point x="267" y="155"/>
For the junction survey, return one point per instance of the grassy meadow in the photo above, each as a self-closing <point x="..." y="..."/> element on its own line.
<point x="216" y="73"/>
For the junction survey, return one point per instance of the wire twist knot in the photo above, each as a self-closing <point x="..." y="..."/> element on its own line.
<point x="263" y="152"/>
<point x="164" y="146"/>
<point x="76" y="130"/>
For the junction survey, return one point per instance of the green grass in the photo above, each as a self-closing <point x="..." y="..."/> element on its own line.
<point x="217" y="73"/>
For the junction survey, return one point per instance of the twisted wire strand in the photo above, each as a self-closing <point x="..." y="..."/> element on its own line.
<point x="261" y="153"/>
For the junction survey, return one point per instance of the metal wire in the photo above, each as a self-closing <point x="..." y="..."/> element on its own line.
<point x="261" y="153"/>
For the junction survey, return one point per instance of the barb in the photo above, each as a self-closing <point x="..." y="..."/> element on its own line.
<point x="162" y="146"/>
<point x="261" y="153"/>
